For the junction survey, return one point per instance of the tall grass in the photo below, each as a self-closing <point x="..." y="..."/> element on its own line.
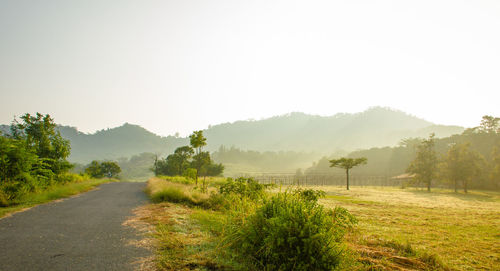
<point x="177" y="191"/>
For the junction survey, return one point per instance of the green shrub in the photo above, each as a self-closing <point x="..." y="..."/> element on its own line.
<point x="246" y="187"/>
<point x="4" y="200"/>
<point x="291" y="231"/>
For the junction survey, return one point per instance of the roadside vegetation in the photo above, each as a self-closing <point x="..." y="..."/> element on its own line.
<point x="238" y="225"/>
<point x="57" y="191"/>
<point x="34" y="168"/>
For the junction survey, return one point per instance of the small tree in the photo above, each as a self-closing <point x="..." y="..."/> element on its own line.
<point x="94" y="170"/>
<point x="107" y="169"/>
<point x="425" y="163"/>
<point x="200" y="162"/>
<point x="347" y="164"/>
<point x="110" y="169"/>
<point x="197" y="141"/>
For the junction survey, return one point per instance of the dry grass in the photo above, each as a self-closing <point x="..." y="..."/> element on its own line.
<point x="161" y="190"/>
<point x="177" y="239"/>
<point x="462" y="230"/>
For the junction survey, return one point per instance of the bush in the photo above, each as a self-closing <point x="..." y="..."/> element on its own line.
<point x="291" y="231"/>
<point x="246" y="187"/>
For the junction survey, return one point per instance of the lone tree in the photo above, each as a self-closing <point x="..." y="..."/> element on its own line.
<point x="424" y="166"/>
<point x="197" y="141"/>
<point x="347" y="164"/>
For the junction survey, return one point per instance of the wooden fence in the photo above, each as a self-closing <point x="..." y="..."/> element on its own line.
<point x="326" y="179"/>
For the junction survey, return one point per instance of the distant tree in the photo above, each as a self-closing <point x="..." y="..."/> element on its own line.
<point x="107" y="169"/>
<point x="183" y="155"/>
<point x="110" y="169"/>
<point x="215" y="169"/>
<point x="489" y="124"/>
<point x="200" y="162"/>
<point x="94" y="170"/>
<point x="197" y="141"/>
<point x="495" y="173"/>
<point x="461" y="165"/>
<point x="347" y="164"/>
<point x="425" y="163"/>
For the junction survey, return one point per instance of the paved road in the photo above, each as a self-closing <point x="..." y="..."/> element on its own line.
<point x="79" y="233"/>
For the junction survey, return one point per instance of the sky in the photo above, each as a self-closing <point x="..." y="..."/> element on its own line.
<point x="179" y="66"/>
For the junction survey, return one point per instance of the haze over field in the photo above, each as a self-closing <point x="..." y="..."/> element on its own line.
<point x="179" y="66"/>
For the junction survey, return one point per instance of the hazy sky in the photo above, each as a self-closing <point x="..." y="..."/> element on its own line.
<point x="182" y="65"/>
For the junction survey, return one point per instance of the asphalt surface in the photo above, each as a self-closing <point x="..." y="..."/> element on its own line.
<point x="78" y="233"/>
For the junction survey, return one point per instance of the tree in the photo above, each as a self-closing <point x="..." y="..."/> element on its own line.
<point x="94" y="170"/>
<point x="461" y="164"/>
<point x="200" y="162"/>
<point x="495" y="173"/>
<point x="489" y="124"/>
<point x="347" y="164"/>
<point x="107" y="169"/>
<point x="197" y="141"/>
<point x="183" y="154"/>
<point x="110" y="169"/>
<point x="425" y="163"/>
<point x="40" y="134"/>
<point x="215" y="169"/>
<point x="15" y="159"/>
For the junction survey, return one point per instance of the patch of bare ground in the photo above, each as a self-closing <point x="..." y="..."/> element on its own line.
<point x="178" y="242"/>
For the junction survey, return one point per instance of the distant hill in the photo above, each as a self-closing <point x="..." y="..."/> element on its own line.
<point x="299" y="132"/>
<point x="374" y="127"/>
<point x="124" y="141"/>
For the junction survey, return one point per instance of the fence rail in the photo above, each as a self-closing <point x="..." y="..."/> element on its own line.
<point x="325" y="180"/>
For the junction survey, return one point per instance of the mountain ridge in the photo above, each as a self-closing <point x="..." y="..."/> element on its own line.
<point x="295" y="131"/>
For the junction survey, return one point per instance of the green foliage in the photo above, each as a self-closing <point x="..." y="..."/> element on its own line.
<point x="424" y="166"/>
<point x="197" y="140"/>
<point x="40" y="135"/>
<point x="245" y="187"/>
<point x="495" y="173"/>
<point x="309" y="194"/>
<point x="94" y="170"/>
<point x="108" y="169"/>
<point x="462" y="165"/>
<point x="190" y="173"/>
<point x="291" y="231"/>
<point x="183" y="160"/>
<point x="33" y="158"/>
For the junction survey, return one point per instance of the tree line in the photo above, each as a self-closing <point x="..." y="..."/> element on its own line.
<point x="190" y="161"/>
<point x="461" y="165"/>
<point x="463" y="161"/>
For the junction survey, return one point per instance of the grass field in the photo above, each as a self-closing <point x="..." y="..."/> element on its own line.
<point x="53" y="193"/>
<point x="463" y="230"/>
<point x="398" y="229"/>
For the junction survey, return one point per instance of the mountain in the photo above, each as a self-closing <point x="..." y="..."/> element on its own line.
<point x="299" y="132"/>
<point x="374" y="127"/>
<point x="124" y="141"/>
